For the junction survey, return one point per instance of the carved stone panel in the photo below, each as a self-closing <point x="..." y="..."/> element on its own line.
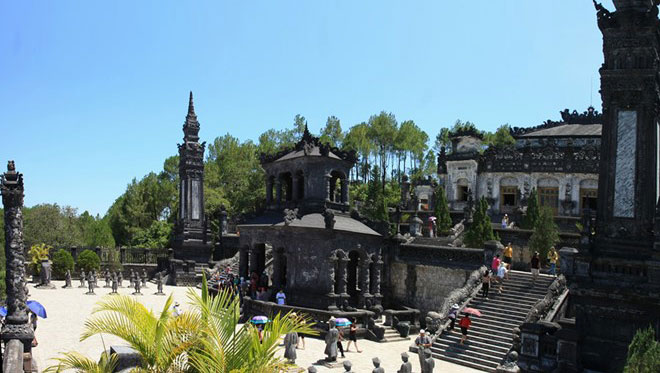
<point x="624" y="182"/>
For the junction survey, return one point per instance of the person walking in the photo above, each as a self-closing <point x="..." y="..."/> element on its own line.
<point x="485" y="284"/>
<point x="508" y="257"/>
<point x="465" y="325"/>
<point x="176" y="312"/>
<point x="552" y="259"/>
<point x="496" y="263"/>
<point x="505" y="221"/>
<point x="501" y="275"/>
<point x="536" y="265"/>
<point x="423" y="343"/>
<point x="352" y="337"/>
<point x="453" y="312"/>
<point x="340" y="346"/>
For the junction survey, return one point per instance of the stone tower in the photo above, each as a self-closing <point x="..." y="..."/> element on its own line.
<point x="192" y="237"/>
<point x="614" y="278"/>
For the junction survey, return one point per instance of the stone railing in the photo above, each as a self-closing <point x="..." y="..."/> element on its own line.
<point x="319" y="318"/>
<point x="12" y="359"/>
<point x="439" y="254"/>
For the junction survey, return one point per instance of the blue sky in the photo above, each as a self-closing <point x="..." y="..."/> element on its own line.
<point x="93" y="94"/>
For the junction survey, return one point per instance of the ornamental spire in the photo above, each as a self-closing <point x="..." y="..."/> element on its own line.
<point x="191" y="125"/>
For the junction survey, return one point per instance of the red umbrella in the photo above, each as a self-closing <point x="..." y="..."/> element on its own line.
<point x="472" y="311"/>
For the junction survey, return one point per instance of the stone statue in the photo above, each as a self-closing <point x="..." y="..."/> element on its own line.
<point x="311" y="369"/>
<point x="144" y="278"/>
<point x="82" y="279"/>
<point x="67" y="279"/>
<point x="120" y="279"/>
<point x="290" y="343"/>
<point x="107" y="279"/>
<point x="223" y="220"/>
<point x="159" y="284"/>
<point x="95" y="279"/>
<point x="137" y="287"/>
<point x="429" y="363"/>
<point x="331" y="342"/>
<point x="377" y="367"/>
<point x="329" y="218"/>
<point x="45" y="274"/>
<point x="348" y="366"/>
<point x="90" y="283"/>
<point x="406" y="367"/>
<point x="114" y="283"/>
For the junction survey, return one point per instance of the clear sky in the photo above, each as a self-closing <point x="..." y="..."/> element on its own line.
<point x="94" y="93"/>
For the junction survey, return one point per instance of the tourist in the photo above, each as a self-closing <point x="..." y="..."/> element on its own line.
<point x="280" y="297"/>
<point x="254" y="278"/>
<point x="552" y="259"/>
<point x="176" y="312"/>
<point x="262" y="295"/>
<point x="260" y="330"/>
<point x="535" y="266"/>
<point x="352" y="337"/>
<point x="263" y="280"/>
<point x="452" y="317"/>
<point x="496" y="263"/>
<point x="340" y="347"/>
<point x="485" y="284"/>
<point x="502" y="273"/>
<point x="508" y="257"/>
<point x="33" y="323"/>
<point x="505" y="221"/>
<point x="465" y="325"/>
<point x="423" y="342"/>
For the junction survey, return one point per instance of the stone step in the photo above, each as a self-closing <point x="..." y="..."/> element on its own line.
<point x="511" y="304"/>
<point x="393" y="339"/>
<point x="476" y="363"/>
<point x="468" y="350"/>
<point x="506" y="318"/>
<point x="488" y="325"/>
<point x="500" y="309"/>
<point x="527" y="288"/>
<point x="486" y="338"/>
<point x="477" y="343"/>
<point x="504" y="337"/>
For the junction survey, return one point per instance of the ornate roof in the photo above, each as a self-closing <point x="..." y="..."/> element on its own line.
<point x="589" y="122"/>
<point x="309" y="146"/>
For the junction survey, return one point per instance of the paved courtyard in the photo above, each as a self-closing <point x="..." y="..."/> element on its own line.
<point x="69" y="308"/>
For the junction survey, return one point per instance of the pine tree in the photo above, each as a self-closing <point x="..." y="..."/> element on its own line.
<point x="481" y="229"/>
<point x="443" y="221"/>
<point x="376" y="208"/>
<point x="643" y="353"/>
<point x="532" y="215"/>
<point x="545" y="233"/>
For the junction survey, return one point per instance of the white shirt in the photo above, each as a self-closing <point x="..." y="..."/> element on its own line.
<point x="501" y="272"/>
<point x="175" y="311"/>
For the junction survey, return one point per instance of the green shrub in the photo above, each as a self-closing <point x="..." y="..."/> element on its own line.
<point x="481" y="229"/>
<point x="443" y="221"/>
<point x="38" y="253"/>
<point x="88" y="260"/>
<point x="62" y="261"/>
<point x="545" y="233"/>
<point x="533" y="210"/>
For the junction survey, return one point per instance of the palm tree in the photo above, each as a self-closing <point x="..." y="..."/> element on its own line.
<point x="80" y="363"/>
<point x="226" y="346"/>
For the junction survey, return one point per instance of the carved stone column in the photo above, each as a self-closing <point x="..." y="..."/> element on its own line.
<point x="344" y="191"/>
<point x="278" y="192"/>
<point x="277" y="269"/>
<point x="378" y="268"/>
<point x="16" y="323"/>
<point x="332" y="265"/>
<point x="341" y="273"/>
<point x="328" y="188"/>
<point x="364" y="281"/>
<point x="269" y="190"/>
<point x="243" y="262"/>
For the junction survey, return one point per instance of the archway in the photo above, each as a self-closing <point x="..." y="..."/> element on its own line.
<point x="287" y="186"/>
<point x="352" y="274"/>
<point x="283" y="283"/>
<point x="300" y="180"/>
<point x="336" y="178"/>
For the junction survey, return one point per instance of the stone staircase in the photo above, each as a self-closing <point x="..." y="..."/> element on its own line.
<point x="490" y="336"/>
<point x="391" y="334"/>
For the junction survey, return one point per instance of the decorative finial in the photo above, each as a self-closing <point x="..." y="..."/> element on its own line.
<point x="191" y="106"/>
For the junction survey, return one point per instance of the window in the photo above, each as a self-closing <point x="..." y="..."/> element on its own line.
<point x="462" y="193"/>
<point x="588" y="199"/>
<point x="509" y="196"/>
<point x="549" y="197"/>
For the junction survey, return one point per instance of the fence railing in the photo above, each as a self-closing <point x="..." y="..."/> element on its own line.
<point x="123" y="255"/>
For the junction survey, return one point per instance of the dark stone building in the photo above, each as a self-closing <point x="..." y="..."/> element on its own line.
<point x="321" y="256"/>
<point x="615" y="276"/>
<point x="192" y="238"/>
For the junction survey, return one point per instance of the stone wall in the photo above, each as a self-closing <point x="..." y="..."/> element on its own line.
<point x="424" y="287"/>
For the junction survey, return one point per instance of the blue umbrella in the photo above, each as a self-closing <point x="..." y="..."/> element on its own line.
<point x="37" y="308"/>
<point x="342" y="322"/>
<point x="33" y="305"/>
<point x="260" y="320"/>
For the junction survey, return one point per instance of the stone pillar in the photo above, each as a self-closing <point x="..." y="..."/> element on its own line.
<point x="278" y="192"/>
<point x="328" y="183"/>
<point x="341" y="273"/>
<point x="364" y="281"/>
<point x="294" y="187"/>
<point x="344" y="191"/>
<point x="243" y="262"/>
<point x="269" y="190"/>
<point x="332" y="265"/>
<point x="16" y="326"/>
<point x="277" y="269"/>
<point x="378" y="268"/>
